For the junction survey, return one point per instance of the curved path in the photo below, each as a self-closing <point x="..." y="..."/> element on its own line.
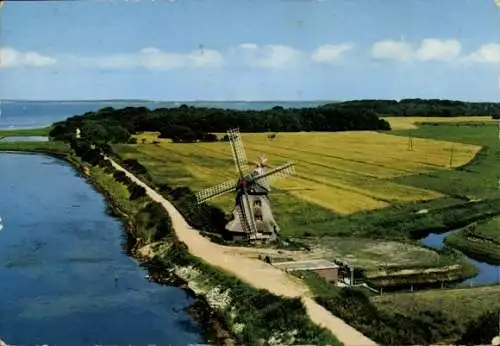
<point x="256" y="273"/>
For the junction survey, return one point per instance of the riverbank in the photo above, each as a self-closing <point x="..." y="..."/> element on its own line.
<point x="214" y="331"/>
<point x="481" y="241"/>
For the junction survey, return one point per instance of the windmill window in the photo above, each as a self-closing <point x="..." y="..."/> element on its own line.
<point x="257" y="203"/>
<point x="258" y="217"/>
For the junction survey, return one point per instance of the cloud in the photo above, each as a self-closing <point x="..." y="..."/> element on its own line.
<point x="330" y="53"/>
<point x="271" y="56"/>
<point x="10" y="57"/>
<point x="393" y="50"/>
<point x="429" y="49"/>
<point x="487" y="53"/>
<point x="278" y="57"/>
<point x="248" y="54"/>
<point x="282" y="56"/>
<point x="251" y="46"/>
<point x="153" y="59"/>
<point x="434" y="49"/>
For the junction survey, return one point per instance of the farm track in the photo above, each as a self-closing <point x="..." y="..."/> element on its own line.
<point x="255" y="272"/>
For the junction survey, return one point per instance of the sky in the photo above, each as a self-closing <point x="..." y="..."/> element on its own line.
<point x="250" y="50"/>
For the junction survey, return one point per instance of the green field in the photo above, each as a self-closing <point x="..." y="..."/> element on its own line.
<point x="458" y="307"/>
<point x="42" y="147"/>
<point x="478" y="179"/>
<point x="489" y="230"/>
<point x="42" y="131"/>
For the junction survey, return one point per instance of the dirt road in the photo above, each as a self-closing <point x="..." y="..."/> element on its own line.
<point x="257" y="273"/>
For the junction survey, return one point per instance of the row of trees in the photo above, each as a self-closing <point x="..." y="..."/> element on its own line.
<point x="426" y="108"/>
<point x="188" y="124"/>
<point x="93" y="155"/>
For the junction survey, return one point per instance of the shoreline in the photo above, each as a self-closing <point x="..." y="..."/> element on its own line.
<point x="199" y="310"/>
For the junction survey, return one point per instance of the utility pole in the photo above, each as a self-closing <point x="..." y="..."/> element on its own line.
<point x="410" y="141"/>
<point x="351" y="268"/>
<point x="451" y="154"/>
<point x="498" y="123"/>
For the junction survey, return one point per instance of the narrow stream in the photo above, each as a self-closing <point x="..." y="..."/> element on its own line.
<point x="488" y="274"/>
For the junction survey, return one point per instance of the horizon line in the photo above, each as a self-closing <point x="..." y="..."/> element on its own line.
<point x="152" y="100"/>
<point x="242" y="101"/>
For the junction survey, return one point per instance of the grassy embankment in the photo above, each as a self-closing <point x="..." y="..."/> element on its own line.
<point x="250" y="314"/>
<point x="342" y="200"/>
<point x="477" y="180"/>
<point x="481" y="242"/>
<point x="459" y="307"/>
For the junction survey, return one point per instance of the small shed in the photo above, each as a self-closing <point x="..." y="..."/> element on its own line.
<point x="326" y="269"/>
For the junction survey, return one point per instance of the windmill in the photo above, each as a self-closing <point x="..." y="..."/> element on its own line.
<point x="252" y="215"/>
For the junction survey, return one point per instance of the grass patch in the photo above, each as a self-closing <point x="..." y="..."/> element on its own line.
<point x="41" y="147"/>
<point x="481" y="242"/>
<point x="477" y="179"/>
<point x="458" y="306"/>
<point x="42" y="131"/>
<point x="409" y="123"/>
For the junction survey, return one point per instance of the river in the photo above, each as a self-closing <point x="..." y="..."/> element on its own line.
<point x="64" y="278"/>
<point x="488" y="274"/>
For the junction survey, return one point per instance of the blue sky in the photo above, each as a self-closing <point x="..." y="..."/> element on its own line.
<point x="250" y="50"/>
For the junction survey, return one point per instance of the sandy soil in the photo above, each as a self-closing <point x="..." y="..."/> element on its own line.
<point x="257" y="273"/>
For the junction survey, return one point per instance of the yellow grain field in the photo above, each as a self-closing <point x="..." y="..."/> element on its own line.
<point x="344" y="171"/>
<point x="409" y="123"/>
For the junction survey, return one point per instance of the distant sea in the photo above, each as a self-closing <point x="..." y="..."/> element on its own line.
<point x="30" y="114"/>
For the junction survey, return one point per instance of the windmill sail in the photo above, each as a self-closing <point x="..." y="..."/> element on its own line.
<point x="215" y="191"/>
<point x="249" y="215"/>
<point x="275" y="173"/>
<point x="238" y="150"/>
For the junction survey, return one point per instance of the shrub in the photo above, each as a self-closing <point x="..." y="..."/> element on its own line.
<point x="136" y="191"/>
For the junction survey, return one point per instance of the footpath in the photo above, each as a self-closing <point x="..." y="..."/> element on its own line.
<point x="254" y="272"/>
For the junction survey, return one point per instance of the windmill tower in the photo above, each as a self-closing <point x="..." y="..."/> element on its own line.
<point x="252" y="215"/>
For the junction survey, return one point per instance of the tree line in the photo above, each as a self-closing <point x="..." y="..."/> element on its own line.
<point x="188" y="124"/>
<point x="425" y="107"/>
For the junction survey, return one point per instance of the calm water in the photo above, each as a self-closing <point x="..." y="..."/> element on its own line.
<point x="488" y="274"/>
<point x="21" y="114"/>
<point x="59" y="256"/>
<point x="25" y="139"/>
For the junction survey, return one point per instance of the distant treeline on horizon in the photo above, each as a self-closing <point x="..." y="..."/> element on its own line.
<point x="426" y="107"/>
<point x="189" y="123"/>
